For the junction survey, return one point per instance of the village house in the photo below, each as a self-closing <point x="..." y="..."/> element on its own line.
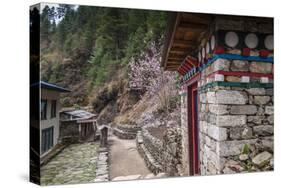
<point x="225" y="65"/>
<point x="49" y="116"/>
<point x="77" y="125"/>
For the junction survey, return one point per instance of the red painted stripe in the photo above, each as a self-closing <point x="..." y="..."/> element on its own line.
<point x="192" y="61"/>
<point x="240" y="73"/>
<point x="187" y="65"/>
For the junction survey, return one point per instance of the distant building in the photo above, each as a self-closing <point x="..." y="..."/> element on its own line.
<point x="77" y="125"/>
<point x="49" y="117"/>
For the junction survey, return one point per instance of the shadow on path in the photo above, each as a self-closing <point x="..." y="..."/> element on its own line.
<point x="124" y="159"/>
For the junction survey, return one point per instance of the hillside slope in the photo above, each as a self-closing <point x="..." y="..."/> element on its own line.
<point x="108" y="58"/>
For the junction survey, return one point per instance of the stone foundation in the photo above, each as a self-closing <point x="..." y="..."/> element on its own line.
<point x="232" y="118"/>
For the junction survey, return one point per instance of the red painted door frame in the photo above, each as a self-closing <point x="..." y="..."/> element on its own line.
<point x="193" y="129"/>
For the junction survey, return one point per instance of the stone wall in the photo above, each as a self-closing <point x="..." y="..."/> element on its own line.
<point x="236" y="103"/>
<point x="231" y="118"/>
<point x="69" y="132"/>
<point x="161" y="155"/>
<point x="126" y="131"/>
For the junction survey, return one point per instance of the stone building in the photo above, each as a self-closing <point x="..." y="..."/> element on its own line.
<point x="77" y="125"/>
<point x="225" y="65"/>
<point x="49" y="118"/>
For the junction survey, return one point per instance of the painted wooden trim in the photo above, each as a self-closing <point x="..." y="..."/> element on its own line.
<point x="192" y="79"/>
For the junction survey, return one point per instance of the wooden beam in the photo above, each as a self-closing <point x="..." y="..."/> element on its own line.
<point x="188" y="26"/>
<point x="175" y="59"/>
<point x="179" y="42"/>
<point x="178" y="52"/>
<point x="184" y="48"/>
<point x="177" y="56"/>
<point x="173" y="22"/>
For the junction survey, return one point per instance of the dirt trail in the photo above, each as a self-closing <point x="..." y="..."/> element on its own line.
<point x="124" y="159"/>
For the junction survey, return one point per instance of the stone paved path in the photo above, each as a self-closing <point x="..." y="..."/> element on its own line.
<point x="75" y="164"/>
<point x="124" y="160"/>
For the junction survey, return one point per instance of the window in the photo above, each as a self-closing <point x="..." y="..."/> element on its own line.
<point x="43" y="109"/>
<point x="47" y="139"/>
<point x="53" y="108"/>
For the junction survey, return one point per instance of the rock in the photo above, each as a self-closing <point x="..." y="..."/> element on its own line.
<point x="269" y="110"/>
<point x="269" y="92"/>
<point x="231" y="97"/>
<point x="260" y="111"/>
<point x="261" y="100"/>
<point x="234" y="166"/>
<point x="235" y="133"/>
<point x="262" y="159"/>
<point x="228" y="170"/>
<point x="203" y="126"/>
<point x="211" y="97"/>
<point x="267" y="143"/>
<point x="130" y="177"/>
<point x="218" y="109"/>
<point x="247" y="133"/>
<point x="238" y="65"/>
<point x="261" y="67"/>
<point x="231" y="120"/>
<point x="148" y="176"/>
<point x="243" y="109"/>
<point x="203" y="97"/>
<point x="271" y="162"/>
<point x="256" y="91"/>
<point x="270" y="119"/>
<point x="230" y="148"/>
<point x="232" y="79"/>
<point x="263" y="130"/>
<point x="221" y="64"/>
<point x="161" y="175"/>
<point x="255" y="119"/>
<point x="243" y="157"/>
<point x="217" y="133"/>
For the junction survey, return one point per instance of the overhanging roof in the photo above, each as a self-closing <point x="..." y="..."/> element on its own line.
<point x="184" y="32"/>
<point x="49" y="86"/>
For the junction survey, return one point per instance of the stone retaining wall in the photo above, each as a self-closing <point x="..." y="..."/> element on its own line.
<point x="161" y="155"/>
<point x="126" y="131"/>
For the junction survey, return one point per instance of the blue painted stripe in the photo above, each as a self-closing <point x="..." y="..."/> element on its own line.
<point x="227" y="56"/>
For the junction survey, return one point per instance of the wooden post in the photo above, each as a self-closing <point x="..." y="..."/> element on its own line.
<point x="103" y="140"/>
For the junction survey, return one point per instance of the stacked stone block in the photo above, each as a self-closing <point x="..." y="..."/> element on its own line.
<point x="232" y="117"/>
<point x="161" y="155"/>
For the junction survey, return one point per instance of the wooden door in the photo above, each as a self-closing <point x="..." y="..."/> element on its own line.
<point x="193" y="129"/>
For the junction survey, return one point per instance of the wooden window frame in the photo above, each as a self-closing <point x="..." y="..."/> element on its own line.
<point x="44" y="111"/>
<point x="47" y="139"/>
<point x="53" y="108"/>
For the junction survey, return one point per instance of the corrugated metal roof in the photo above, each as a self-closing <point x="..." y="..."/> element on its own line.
<point x="80" y="114"/>
<point x="47" y="85"/>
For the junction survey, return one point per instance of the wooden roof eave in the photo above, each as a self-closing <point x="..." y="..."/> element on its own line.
<point x="170" y="32"/>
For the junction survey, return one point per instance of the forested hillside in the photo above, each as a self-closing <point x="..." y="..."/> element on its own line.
<point x="107" y="57"/>
<point x="85" y="47"/>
